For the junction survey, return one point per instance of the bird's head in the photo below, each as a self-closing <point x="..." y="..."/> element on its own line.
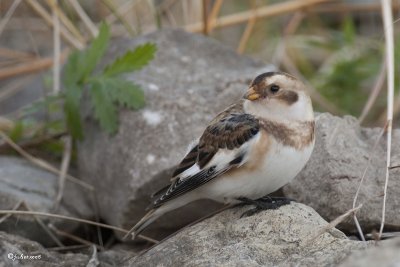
<point x="279" y="96"/>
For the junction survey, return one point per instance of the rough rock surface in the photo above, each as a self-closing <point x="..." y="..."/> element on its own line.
<point x="191" y="79"/>
<point x="20" y="181"/>
<point x="330" y="179"/>
<point x="12" y="246"/>
<point x="284" y="237"/>
<point x="385" y="254"/>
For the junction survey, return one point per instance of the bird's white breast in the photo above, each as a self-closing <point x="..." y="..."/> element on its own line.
<point x="278" y="167"/>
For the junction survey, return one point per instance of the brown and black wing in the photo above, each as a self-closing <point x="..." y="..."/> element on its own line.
<point x="228" y="131"/>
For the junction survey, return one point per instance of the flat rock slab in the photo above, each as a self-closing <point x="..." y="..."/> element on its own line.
<point x="284" y="237"/>
<point x="21" y="182"/>
<point x="330" y="179"/>
<point x="191" y="79"/>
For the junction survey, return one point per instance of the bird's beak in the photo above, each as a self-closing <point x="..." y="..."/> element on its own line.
<point x="251" y="94"/>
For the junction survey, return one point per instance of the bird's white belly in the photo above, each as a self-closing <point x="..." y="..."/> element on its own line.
<point x="276" y="170"/>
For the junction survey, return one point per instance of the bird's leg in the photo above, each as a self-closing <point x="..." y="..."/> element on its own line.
<point x="263" y="203"/>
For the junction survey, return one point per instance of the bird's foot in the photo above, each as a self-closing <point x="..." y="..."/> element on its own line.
<point x="263" y="203"/>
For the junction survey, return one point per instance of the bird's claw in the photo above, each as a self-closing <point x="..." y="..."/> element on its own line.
<point x="264" y="203"/>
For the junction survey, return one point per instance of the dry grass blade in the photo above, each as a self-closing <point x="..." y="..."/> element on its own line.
<point x="72" y="237"/>
<point x="66" y="21"/>
<point x="248" y="30"/>
<point x="332" y="224"/>
<point x="389" y="41"/>
<point x="57" y="48"/>
<point x="17" y="206"/>
<point x="47" y="18"/>
<point x="63" y="217"/>
<point x="111" y="5"/>
<point x="8" y="15"/>
<point x="84" y="17"/>
<point x="374" y="93"/>
<point x="213" y="14"/>
<point x="362" y="181"/>
<point x="262" y="12"/>
<point x="64" y="168"/>
<point x="41" y="163"/>
<point x="31" y="66"/>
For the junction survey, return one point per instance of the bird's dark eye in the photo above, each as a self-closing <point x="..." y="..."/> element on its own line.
<point x="274" y="88"/>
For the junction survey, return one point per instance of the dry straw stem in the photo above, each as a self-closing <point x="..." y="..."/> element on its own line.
<point x="111" y="5"/>
<point x="47" y="18"/>
<point x="351" y="7"/>
<point x="8" y="15"/>
<point x="213" y="14"/>
<point x="84" y="17"/>
<point x="64" y="168"/>
<point x="389" y="41"/>
<point x="331" y="225"/>
<point x="63" y="217"/>
<point x="359" y="229"/>
<point x="57" y="48"/>
<point x="248" y="30"/>
<point x="262" y="12"/>
<point x="73" y="237"/>
<point x="374" y="93"/>
<point x="41" y="163"/>
<point x="31" y="66"/>
<point x="66" y="21"/>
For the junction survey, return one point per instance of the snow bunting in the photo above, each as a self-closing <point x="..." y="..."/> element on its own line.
<point x="249" y="150"/>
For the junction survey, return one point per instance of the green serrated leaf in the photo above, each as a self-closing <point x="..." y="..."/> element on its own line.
<point x="95" y="52"/>
<point x="123" y="92"/>
<point x="104" y="109"/>
<point x="82" y="63"/>
<point x="71" y="108"/>
<point x="131" y="60"/>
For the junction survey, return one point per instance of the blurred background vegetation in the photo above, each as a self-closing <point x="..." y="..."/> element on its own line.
<point x="335" y="46"/>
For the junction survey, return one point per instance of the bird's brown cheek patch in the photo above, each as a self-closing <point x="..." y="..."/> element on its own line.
<point x="288" y="97"/>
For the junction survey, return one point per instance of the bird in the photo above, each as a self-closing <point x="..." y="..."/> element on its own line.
<point x="249" y="150"/>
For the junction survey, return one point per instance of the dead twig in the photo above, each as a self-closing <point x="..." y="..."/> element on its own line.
<point x="8" y="15"/>
<point x="84" y="17"/>
<point x="64" y="168"/>
<point x="389" y="41"/>
<point x="331" y="225"/>
<point x="72" y="237"/>
<point x="374" y="93"/>
<point x="41" y="163"/>
<point x="63" y="217"/>
<point x="31" y="66"/>
<point x="262" y="12"/>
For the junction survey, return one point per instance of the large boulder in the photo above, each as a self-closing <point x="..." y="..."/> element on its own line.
<point x="191" y="79"/>
<point x="23" y="185"/>
<point x="329" y="182"/>
<point x="287" y="236"/>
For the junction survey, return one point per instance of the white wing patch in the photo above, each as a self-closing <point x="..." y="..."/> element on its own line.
<point x="222" y="158"/>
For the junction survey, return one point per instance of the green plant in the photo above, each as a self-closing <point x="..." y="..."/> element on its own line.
<point x="106" y="89"/>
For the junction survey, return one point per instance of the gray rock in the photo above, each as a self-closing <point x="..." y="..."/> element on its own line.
<point x="385" y="254"/>
<point x="20" y="182"/>
<point x="330" y="179"/>
<point x="284" y="237"/>
<point x="191" y="79"/>
<point x="12" y="247"/>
